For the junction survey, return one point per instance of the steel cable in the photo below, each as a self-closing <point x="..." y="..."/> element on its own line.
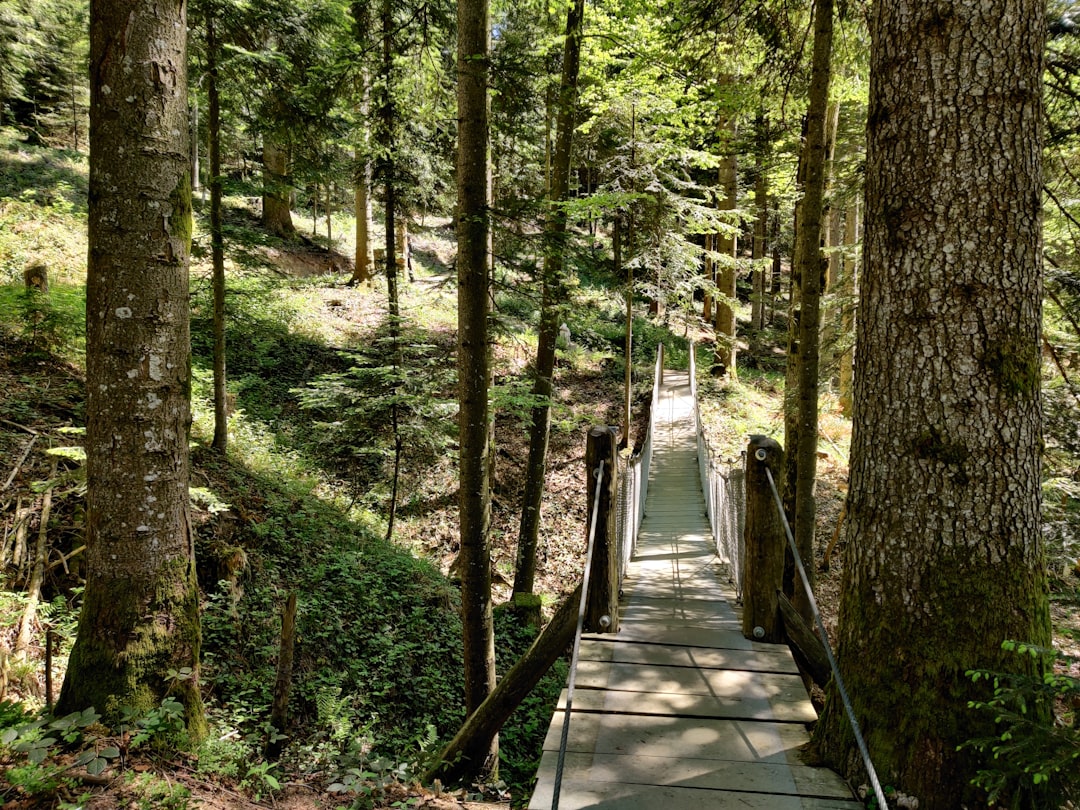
<point x="760" y="455"/>
<point x="598" y="474"/>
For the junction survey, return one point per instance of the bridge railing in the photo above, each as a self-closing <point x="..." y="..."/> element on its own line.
<point x="634" y="478"/>
<point x="723" y="482"/>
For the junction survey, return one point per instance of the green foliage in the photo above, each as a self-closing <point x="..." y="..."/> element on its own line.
<point x="1033" y="756"/>
<point x="368" y="779"/>
<point x="521" y="739"/>
<point x="151" y="792"/>
<point x="162" y="724"/>
<point x="50" y="323"/>
<point x="29" y="748"/>
<point x="394" y="390"/>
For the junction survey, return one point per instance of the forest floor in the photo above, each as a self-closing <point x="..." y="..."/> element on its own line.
<point x="294" y="483"/>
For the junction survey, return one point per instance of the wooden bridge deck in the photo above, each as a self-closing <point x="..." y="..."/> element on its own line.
<point x="678" y="710"/>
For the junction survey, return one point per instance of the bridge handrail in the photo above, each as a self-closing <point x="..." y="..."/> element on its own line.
<point x="634" y="477"/>
<point x="723" y="483"/>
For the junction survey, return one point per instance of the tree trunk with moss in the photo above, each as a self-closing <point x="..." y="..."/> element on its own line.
<point x="140" y="615"/>
<point x="944" y="558"/>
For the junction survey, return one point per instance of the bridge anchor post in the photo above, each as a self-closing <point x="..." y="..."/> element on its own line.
<point x="602" y="609"/>
<point x="763" y="571"/>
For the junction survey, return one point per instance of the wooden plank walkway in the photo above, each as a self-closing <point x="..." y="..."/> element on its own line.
<point x="678" y="710"/>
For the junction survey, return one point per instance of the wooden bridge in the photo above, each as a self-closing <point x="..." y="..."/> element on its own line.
<point x="678" y="709"/>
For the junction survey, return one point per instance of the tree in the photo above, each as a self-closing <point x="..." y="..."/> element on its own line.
<point x="139" y="624"/>
<point x="555" y="234"/>
<point x="801" y="398"/>
<point x="944" y="556"/>
<point x="474" y="499"/>
<point x="217" y="239"/>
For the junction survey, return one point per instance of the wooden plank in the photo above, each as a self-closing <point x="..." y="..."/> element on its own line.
<point x="777" y="659"/>
<point x="579" y="795"/>
<point x="693" y="706"/>
<point x="723" y="739"/>
<point x="710" y="774"/>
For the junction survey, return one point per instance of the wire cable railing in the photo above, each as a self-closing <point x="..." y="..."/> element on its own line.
<point x="634" y="479"/>
<point x="598" y="474"/>
<point x="723" y="483"/>
<point x="837" y="678"/>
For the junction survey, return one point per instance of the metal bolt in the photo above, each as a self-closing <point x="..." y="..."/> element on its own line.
<point x="760" y="454"/>
<point x="759" y="632"/>
<point x="605" y="622"/>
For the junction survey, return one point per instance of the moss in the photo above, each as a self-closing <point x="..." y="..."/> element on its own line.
<point x="1015" y="365"/>
<point x="122" y="660"/>
<point x="933" y="446"/>
<point x="180" y="221"/>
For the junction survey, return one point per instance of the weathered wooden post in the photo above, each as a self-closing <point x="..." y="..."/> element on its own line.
<point x="602" y="608"/>
<point x="763" y="568"/>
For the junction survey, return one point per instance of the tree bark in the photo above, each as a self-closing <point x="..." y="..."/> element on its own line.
<point x="474" y="503"/>
<point x="551" y="301"/>
<point x="944" y="558"/>
<point x="140" y="615"/>
<point x="849" y="288"/>
<point x="727" y="245"/>
<point x="217" y="239"/>
<point x="277" y="189"/>
<point x="809" y="265"/>
<point x="761" y="224"/>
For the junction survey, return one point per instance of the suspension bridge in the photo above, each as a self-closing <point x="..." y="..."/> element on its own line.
<point x="678" y="709"/>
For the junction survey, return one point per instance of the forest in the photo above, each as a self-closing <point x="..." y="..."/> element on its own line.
<point x="307" y="307"/>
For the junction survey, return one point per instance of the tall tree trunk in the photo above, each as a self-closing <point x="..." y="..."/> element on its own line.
<point x="728" y="246"/>
<point x="709" y="273"/>
<point x="761" y="225"/>
<point x="849" y="291"/>
<point x="277" y="189"/>
<point x="362" y="266"/>
<point x="810" y="268"/>
<point x="388" y="169"/>
<point x="944" y="557"/>
<point x="628" y="335"/>
<point x="140" y="614"/>
<point x="474" y="501"/>
<point x="550" y="304"/>
<point x="217" y="239"/>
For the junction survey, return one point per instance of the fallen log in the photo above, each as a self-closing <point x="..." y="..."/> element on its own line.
<point x="474" y="737"/>
<point x="808" y="647"/>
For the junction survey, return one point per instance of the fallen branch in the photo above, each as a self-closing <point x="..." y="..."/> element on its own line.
<point x="475" y="736"/>
<point x="19" y="463"/>
<point x="64" y="559"/>
<point x="808" y="646"/>
<point x="37" y="574"/>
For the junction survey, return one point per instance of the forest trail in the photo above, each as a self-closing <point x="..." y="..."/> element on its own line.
<point x="678" y="709"/>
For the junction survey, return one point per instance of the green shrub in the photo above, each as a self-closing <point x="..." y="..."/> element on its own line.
<point x="1034" y="758"/>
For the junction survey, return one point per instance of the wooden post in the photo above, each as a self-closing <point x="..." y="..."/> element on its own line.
<point x="602" y="610"/>
<point x="763" y="568"/>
